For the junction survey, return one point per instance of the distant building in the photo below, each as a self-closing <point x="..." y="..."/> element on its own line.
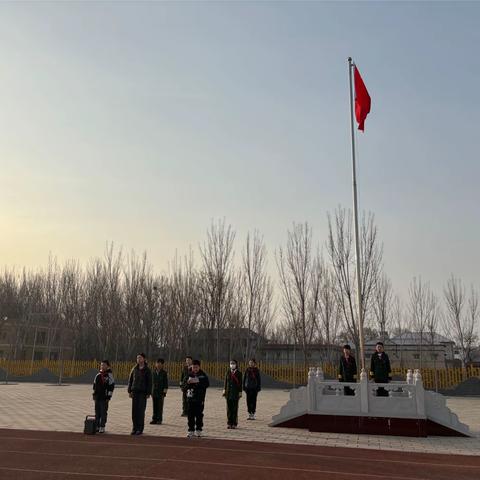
<point x="35" y="339"/>
<point x="232" y="343"/>
<point x="416" y="350"/>
<point x="287" y="353"/>
<point x="475" y="357"/>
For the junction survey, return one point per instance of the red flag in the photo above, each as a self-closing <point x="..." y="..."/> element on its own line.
<point x="362" y="100"/>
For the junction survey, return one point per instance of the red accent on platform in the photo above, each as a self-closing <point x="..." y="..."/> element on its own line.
<point x="405" y="427"/>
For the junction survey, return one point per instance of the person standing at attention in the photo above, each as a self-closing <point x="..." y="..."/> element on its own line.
<point x="103" y="386"/>
<point x="347" y="369"/>
<point x="159" y="391"/>
<point x="232" y="391"/>
<point x="380" y="370"/>
<point x="252" y="384"/>
<point x="184" y="375"/>
<point x="139" y="389"/>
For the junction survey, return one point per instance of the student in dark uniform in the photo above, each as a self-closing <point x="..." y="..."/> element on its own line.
<point x="139" y="389"/>
<point x="347" y="369"/>
<point x="103" y="386"/>
<point x="159" y="391"/>
<point x="252" y="384"/>
<point x="185" y="370"/>
<point x="195" y="386"/>
<point x="232" y="391"/>
<point x="380" y="370"/>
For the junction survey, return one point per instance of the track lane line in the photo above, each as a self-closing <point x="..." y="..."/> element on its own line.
<point x="263" y="452"/>
<point x="219" y="464"/>
<point x="108" y="475"/>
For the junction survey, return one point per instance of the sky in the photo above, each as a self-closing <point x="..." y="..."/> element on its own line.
<point x="139" y="123"/>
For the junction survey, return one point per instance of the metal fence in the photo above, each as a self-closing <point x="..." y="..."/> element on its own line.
<point x="287" y="374"/>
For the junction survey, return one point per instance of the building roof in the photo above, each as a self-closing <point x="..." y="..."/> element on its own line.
<point x="227" y="333"/>
<point x="416" y="338"/>
<point x="413" y="338"/>
<point x="291" y="346"/>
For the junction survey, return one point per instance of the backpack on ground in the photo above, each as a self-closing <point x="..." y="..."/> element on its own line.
<point x="90" y="427"/>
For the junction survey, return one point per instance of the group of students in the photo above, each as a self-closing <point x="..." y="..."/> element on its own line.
<point x="144" y="382"/>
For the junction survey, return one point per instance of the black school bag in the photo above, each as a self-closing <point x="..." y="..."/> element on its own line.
<point x="90" y="427"/>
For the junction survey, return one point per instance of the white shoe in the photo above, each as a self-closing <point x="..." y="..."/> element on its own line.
<point x="198" y="433"/>
<point x="190" y="433"/>
<point x="101" y="430"/>
<point x="253" y="416"/>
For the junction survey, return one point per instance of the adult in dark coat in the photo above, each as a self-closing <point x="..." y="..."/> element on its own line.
<point x="380" y="370"/>
<point x="195" y="386"/>
<point x="252" y="384"/>
<point x="139" y="390"/>
<point x="159" y="391"/>
<point x="232" y="391"/>
<point x="347" y="369"/>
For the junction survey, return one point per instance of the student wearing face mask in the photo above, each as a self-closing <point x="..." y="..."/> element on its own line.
<point x="232" y="391"/>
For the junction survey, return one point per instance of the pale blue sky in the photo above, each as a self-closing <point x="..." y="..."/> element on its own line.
<point x="140" y="122"/>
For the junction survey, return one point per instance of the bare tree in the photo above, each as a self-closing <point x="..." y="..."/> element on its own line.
<point x="216" y="280"/>
<point x="341" y="253"/>
<point x="330" y="318"/>
<point x="461" y="316"/>
<point x="383" y="306"/>
<point x="186" y="301"/>
<point x="299" y="296"/>
<point x="422" y="309"/>
<point x="256" y="288"/>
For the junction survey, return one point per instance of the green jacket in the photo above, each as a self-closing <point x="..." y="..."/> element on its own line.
<point x="233" y="385"/>
<point x="159" y="383"/>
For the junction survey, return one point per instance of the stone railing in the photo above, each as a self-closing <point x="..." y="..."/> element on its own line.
<point x="408" y="400"/>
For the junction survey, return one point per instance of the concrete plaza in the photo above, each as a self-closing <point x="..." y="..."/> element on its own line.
<point x="35" y="406"/>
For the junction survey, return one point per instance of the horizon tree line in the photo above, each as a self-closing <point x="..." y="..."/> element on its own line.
<point x="117" y="305"/>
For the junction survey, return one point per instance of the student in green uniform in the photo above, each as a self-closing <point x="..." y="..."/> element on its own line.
<point x="159" y="391"/>
<point x="380" y="370"/>
<point x="232" y="391"/>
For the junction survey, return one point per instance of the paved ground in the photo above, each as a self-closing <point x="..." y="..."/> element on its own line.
<point x="42" y="407"/>
<point x="29" y="455"/>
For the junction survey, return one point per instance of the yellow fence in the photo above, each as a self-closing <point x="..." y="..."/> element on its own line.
<point x="440" y="378"/>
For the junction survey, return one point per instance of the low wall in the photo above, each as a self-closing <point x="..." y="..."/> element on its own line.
<point x="273" y="376"/>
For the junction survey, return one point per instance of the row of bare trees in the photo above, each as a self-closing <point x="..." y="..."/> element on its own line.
<point x="319" y="297"/>
<point x="116" y="305"/>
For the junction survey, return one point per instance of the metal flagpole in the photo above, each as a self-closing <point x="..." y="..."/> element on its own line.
<point x="351" y="66"/>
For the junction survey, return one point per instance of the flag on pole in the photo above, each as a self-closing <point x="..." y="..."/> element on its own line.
<point x="362" y="100"/>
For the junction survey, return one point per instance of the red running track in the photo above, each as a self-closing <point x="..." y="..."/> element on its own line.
<point x="33" y="455"/>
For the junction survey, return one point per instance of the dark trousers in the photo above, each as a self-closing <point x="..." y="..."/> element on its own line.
<point x="232" y="411"/>
<point x="252" y="401"/>
<point x="195" y="415"/>
<point x="139" y="404"/>
<point x="184" y="403"/>
<point x="101" y="412"/>
<point x="348" y="390"/>
<point x="158" y="408"/>
<point x="381" y="392"/>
